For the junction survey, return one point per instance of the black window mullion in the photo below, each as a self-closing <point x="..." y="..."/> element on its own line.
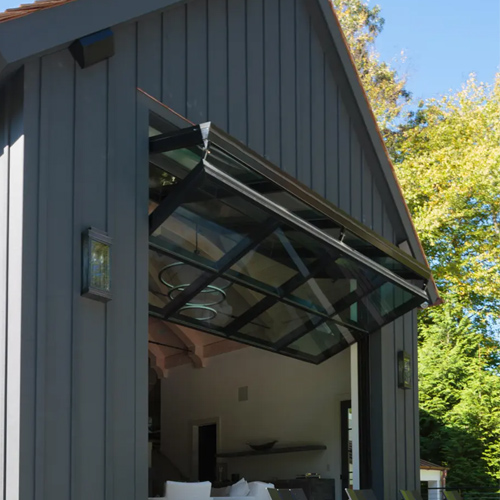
<point x="177" y="139"/>
<point x="269" y="301"/>
<point x="289" y="218"/>
<point x="176" y="198"/>
<point x="299" y="332"/>
<point x="233" y="256"/>
<point x="356" y="296"/>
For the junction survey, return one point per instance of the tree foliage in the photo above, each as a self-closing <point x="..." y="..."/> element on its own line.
<point x="459" y="398"/>
<point x="384" y="87"/>
<point x="447" y="156"/>
<point x="448" y="163"/>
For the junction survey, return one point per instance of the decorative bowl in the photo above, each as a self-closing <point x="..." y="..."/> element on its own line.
<point x="262" y="445"/>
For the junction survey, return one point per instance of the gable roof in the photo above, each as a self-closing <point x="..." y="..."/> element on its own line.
<point x="425" y="465"/>
<point x="51" y="29"/>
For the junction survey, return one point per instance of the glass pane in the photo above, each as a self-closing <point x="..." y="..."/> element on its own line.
<point x="278" y="321"/>
<point x="285" y="260"/>
<point x="382" y="306"/>
<point x="233" y="167"/>
<point x="287" y="289"/>
<point x="177" y="163"/>
<point x="217" y="305"/>
<point x="262" y="185"/>
<point x="324" y="338"/>
<point x="334" y="282"/>
<point x="161" y="184"/>
<point x="379" y="256"/>
<point x="210" y="222"/>
<point x="272" y="191"/>
<point x="99" y="265"/>
<point x="272" y="262"/>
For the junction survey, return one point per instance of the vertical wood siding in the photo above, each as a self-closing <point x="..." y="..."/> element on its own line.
<point x="17" y="291"/>
<point x="255" y="68"/>
<point x="91" y="408"/>
<point x="394" y="412"/>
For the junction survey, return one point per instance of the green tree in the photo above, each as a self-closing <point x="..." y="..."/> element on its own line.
<point x="459" y="399"/>
<point x="448" y="163"/>
<point x="384" y="87"/>
<point x="447" y="155"/>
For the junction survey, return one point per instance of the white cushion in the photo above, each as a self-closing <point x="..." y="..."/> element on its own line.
<point x="220" y="492"/>
<point x="233" y="498"/>
<point x="258" y="489"/>
<point x="239" y="489"/>
<point x="187" y="491"/>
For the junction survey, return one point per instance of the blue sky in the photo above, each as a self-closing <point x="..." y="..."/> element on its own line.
<point x="443" y="40"/>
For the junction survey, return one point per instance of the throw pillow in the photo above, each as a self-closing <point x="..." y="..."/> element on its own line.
<point x="239" y="489"/>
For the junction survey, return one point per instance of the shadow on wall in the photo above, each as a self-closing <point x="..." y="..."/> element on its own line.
<point x="459" y="449"/>
<point x="162" y="470"/>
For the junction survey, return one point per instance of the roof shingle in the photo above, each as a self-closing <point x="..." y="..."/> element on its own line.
<point x="424" y="464"/>
<point x="25" y="9"/>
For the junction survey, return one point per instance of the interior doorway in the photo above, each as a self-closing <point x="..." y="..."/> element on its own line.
<point x="207" y="449"/>
<point x="205" y="435"/>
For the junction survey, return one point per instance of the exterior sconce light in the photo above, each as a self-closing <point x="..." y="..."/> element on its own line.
<point x="404" y="370"/>
<point x="96" y="265"/>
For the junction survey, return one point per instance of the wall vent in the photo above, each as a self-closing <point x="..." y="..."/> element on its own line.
<point x="243" y="393"/>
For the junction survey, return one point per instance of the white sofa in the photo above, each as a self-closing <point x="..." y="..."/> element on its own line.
<point x="175" y="490"/>
<point x="257" y="490"/>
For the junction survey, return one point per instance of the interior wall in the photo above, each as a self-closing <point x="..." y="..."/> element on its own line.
<point x="288" y="400"/>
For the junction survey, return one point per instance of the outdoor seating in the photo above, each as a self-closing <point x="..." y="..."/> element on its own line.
<point x="360" y="494"/>
<point x="187" y="491"/>
<point x="411" y="495"/>
<point x="286" y="494"/>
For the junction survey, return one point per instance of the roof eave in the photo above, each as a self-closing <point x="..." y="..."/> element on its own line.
<point x="342" y="48"/>
<point x="34" y="33"/>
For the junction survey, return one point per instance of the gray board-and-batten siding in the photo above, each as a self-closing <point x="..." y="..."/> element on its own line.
<point x="258" y="70"/>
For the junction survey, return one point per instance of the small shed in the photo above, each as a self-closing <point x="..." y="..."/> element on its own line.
<point x="435" y="477"/>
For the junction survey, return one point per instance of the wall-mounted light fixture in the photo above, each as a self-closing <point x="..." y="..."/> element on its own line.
<point x="404" y="370"/>
<point x="96" y="265"/>
<point x="93" y="48"/>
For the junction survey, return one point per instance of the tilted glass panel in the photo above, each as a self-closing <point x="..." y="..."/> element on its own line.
<point x="227" y="262"/>
<point x="226" y="154"/>
<point x="271" y="262"/>
<point x="326" y="337"/>
<point x="217" y="305"/>
<point x="385" y="304"/>
<point x="209" y="222"/>
<point x="177" y="162"/>
<point x="278" y="195"/>
<point x="277" y="322"/>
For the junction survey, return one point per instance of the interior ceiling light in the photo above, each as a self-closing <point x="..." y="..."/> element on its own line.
<point x="199" y="302"/>
<point x="202" y="304"/>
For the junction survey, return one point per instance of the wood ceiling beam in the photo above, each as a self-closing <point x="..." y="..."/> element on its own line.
<point x="158" y="360"/>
